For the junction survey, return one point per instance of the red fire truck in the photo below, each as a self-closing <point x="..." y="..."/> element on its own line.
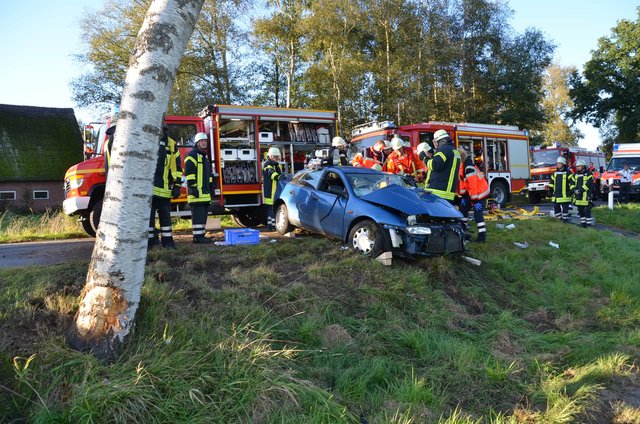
<point x="543" y="164"/>
<point x="239" y="137"/>
<point x="500" y="151"/>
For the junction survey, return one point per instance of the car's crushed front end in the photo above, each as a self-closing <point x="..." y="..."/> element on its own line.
<point x="424" y="224"/>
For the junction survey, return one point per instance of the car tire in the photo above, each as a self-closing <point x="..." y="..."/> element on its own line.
<point x="283" y="226"/>
<point x="367" y="238"/>
<point x="94" y="216"/>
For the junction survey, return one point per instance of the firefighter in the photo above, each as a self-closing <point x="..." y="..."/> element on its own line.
<point x="442" y="174"/>
<point x="271" y="173"/>
<point x="473" y="189"/>
<point x="582" y="187"/>
<point x="425" y="152"/>
<point x="377" y="152"/>
<point x="404" y="161"/>
<point x="110" y="132"/>
<point x="167" y="180"/>
<point x="559" y="189"/>
<point x="338" y="152"/>
<point x="197" y="171"/>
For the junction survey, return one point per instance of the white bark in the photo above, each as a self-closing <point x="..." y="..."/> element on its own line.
<point x="114" y="281"/>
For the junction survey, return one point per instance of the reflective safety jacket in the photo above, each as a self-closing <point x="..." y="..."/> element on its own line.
<point x="168" y="168"/>
<point x="338" y="157"/>
<point x="472" y="181"/>
<point x="581" y="186"/>
<point x="442" y="176"/>
<point x="404" y="163"/>
<point x="559" y="186"/>
<point x="364" y="162"/>
<point x="197" y="171"/>
<point x="271" y="173"/>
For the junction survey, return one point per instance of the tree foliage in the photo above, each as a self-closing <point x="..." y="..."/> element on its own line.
<point x="607" y="94"/>
<point x="405" y="60"/>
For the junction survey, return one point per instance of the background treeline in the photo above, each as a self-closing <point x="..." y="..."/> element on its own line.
<point x="404" y="60"/>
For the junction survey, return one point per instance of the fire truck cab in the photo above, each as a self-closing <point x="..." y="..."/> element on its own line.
<point x="500" y="151"/>
<point x="623" y="154"/>
<point x="239" y="137"/>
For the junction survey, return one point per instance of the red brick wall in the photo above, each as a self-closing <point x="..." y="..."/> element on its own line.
<point x="24" y="195"/>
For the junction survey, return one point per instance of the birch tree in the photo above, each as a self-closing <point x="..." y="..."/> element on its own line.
<point x="111" y="295"/>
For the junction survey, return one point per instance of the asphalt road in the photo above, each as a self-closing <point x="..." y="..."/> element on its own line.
<point x="44" y="252"/>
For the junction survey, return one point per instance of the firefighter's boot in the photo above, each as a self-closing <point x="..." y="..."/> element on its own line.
<point x="153" y="239"/>
<point x="201" y="239"/>
<point x="167" y="243"/>
<point x="482" y="237"/>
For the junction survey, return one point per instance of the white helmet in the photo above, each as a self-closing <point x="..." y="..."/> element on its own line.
<point x="396" y="143"/>
<point x="273" y="152"/>
<point x="440" y="135"/>
<point x="580" y="162"/>
<point x="423" y="147"/>
<point x="338" y="141"/>
<point x="200" y="136"/>
<point x="561" y="160"/>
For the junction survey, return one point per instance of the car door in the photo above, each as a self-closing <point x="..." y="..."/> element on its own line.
<point x="325" y="209"/>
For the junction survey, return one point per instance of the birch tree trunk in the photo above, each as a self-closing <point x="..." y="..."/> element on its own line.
<point x="111" y="294"/>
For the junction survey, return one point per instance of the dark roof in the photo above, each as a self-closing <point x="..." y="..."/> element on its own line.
<point x="38" y="143"/>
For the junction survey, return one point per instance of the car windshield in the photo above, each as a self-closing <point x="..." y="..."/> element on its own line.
<point x="364" y="184"/>
<point x="616" y="164"/>
<point x="540" y="158"/>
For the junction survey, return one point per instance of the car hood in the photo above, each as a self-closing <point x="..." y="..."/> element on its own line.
<point x="412" y="202"/>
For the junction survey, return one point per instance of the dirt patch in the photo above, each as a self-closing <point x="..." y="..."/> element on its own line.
<point x="542" y="319"/>
<point x="617" y="403"/>
<point x="335" y="335"/>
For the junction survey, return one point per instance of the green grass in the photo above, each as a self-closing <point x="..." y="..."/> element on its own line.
<point x="50" y="225"/>
<point x="303" y="331"/>
<point x="626" y="217"/>
<point x="55" y="225"/>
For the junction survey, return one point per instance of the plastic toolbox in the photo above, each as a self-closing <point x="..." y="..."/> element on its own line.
<point x="241" y="236"/>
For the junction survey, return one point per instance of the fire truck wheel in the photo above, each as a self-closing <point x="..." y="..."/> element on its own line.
<point x="94" y="216"/>
<point x="499" y="192"/>
<point x="86" y="226"/>
<point x="246" y="219"/>
<point x="534" y="197"/>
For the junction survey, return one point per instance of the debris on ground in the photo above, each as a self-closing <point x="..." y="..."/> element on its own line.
<point x="385" y="258"/>
<point x="553" y="244"/>
<point x="510" y="226"/>
<point x="521" y="245"/>
<point x="472" y="261"/>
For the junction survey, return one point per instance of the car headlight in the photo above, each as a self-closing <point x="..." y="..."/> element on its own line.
<point x="412" y="220"/>
<point x="421" y="231"/>
<point x="75" y="181"/>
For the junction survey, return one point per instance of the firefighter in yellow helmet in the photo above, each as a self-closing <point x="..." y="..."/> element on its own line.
<point x="442" y="172"/>
<point x="559" y="190"/>
<point x="582" y="188"/>
<point x="271" y="173"/>
<point x="197" y="171"/>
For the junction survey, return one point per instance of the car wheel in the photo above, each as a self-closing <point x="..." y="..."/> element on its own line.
<point x="282" y="220"/>
<point x="86" y="226"/>
<point x="367" y="238"/>
<point x="94" y="216"/>
<point x="499" y="192"/>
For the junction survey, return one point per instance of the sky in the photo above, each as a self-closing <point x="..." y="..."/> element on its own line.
<point x="40" y="38"/>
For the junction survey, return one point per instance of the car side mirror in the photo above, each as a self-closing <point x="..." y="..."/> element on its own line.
<point x="336" y="189"/>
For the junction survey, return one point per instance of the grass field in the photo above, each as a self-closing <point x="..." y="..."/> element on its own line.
<point x="301" y="331"/>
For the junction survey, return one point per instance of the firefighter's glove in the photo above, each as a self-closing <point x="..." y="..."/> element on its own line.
<point x="463" y="202"/>
<point x="175" y="191"/>
<point x="550" y="192"/>
<point x="193" y="191"/>
<point x="477" y="207"/>
<point x="276" y="177"/>
<point x="420" y="177"/>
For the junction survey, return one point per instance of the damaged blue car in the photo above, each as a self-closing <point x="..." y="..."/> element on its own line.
<point x="373" y="212"/>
